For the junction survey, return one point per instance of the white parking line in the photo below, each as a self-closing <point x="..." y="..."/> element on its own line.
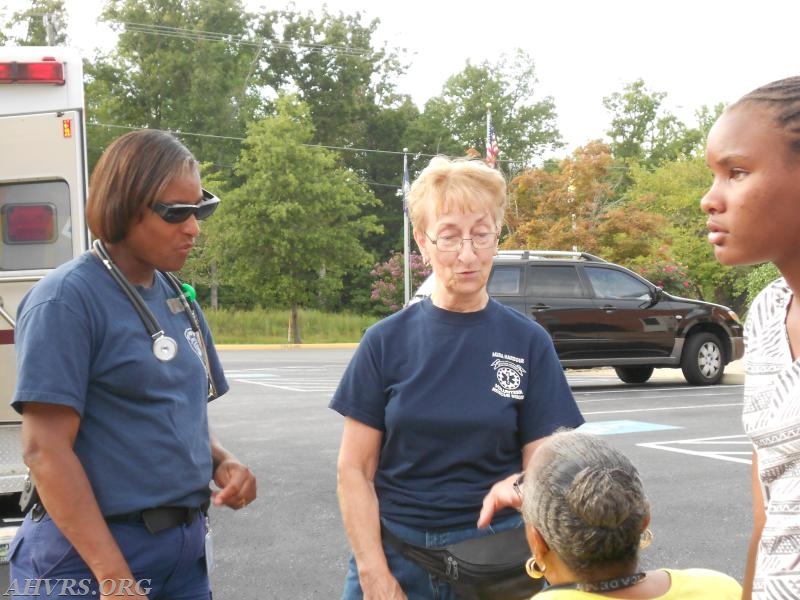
<point x="724" y="441"/>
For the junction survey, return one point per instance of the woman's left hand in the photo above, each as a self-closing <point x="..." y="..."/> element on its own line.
<point x="502" y="495"/>
<point x="236" y="482"/>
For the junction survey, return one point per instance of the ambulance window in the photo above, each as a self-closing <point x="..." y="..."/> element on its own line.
<point x="28" y="223"/>
<point x="35" y="225"/>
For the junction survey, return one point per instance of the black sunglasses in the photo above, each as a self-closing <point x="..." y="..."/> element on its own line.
<point x="178" y="213"/>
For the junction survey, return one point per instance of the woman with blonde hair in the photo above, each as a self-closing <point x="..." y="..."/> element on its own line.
<point x="444" y="401"/>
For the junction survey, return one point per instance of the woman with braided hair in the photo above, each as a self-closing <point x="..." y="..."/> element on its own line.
<point x="753" y="209"/>
<point x="587" y="515"/>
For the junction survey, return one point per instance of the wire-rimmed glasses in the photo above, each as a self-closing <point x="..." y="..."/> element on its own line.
<point x="453" y="243"/>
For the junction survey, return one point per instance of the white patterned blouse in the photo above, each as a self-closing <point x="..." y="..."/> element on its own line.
<point x="771" y="419"/>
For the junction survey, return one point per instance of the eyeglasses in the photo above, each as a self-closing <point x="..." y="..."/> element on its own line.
<point x="452" y="243"/>
<point x="178" y="213"/>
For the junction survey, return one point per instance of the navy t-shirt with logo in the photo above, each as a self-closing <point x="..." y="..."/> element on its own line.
<point x="143" y="438"/>
<point x="457" y="395"/>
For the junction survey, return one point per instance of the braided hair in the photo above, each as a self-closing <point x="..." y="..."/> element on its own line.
<point x="587" y="501"/>
<point x="782" y="99"/>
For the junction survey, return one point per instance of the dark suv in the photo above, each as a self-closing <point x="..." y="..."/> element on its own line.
<point x="603" y="315"/>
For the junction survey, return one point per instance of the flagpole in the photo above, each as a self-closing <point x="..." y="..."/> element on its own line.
<point x="406" y="241"/>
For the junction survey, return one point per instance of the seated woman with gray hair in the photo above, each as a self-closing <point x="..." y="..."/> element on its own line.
<point x="586" y="516"/>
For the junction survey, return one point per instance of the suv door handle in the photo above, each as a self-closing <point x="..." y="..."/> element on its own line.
<point x="609" y="308"/>
<point x="540" y="306"/>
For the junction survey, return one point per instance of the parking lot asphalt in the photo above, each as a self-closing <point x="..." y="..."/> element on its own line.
<point x="734" y="371"/>
<point x="686" y="440"/>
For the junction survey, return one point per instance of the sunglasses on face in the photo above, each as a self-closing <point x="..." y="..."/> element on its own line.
<point x="178" y="213"/>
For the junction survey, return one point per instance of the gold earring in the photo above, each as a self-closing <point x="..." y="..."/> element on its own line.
<point x="646" y="539"/>
<point x="533" y="570"/>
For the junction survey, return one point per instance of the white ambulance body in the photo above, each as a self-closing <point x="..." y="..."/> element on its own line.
<point x="43" y="187"/>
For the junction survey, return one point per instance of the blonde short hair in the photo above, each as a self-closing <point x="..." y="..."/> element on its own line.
<point x="458" y="184"/>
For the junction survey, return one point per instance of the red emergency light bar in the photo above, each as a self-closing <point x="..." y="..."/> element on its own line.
<point x="47" y="70"/>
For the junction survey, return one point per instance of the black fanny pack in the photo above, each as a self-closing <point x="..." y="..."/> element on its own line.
<point x="491" y="567"/>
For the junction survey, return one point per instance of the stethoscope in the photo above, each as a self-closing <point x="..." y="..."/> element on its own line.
<point x="165" y="348"/>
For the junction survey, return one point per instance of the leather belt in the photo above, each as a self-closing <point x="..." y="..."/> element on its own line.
<point x="160" y="518"/>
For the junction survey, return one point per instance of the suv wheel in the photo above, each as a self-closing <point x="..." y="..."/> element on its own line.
<point x="701" y="362"/>
<point x="636" y="374"/>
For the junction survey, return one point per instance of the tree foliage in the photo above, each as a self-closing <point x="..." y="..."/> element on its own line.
<point x="330" y="62"/>
<point x="759" y="278"/>
<point x="673" y="192"/>
<point x="642" y="131"/>
<point x="43" y="23"/>
<point x="311" y="202"/>
<point x="575" y="208"/>
<point x="170" y="71"/>
<point x="455" y="121"/>
<point x="293" y="229"/>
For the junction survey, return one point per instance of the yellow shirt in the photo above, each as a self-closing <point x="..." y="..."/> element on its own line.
<point x="686" y="584"/>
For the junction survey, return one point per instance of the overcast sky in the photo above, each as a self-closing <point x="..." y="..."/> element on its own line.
<point x="697" y="51"/>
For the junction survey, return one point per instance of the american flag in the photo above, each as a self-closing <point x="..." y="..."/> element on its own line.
<point x="492" y="149"/>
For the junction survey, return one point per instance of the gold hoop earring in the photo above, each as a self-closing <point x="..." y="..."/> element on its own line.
<point x="646" y="539"/>
<point x="533" y="570"/>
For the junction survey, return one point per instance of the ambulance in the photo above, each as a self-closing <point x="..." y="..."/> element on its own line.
<point x="43" y="187"/>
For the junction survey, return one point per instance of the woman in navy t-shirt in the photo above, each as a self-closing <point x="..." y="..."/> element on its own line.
<point x="444" y="401"/>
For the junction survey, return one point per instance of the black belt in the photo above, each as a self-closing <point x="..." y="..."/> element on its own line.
<point x="161" y="518"/>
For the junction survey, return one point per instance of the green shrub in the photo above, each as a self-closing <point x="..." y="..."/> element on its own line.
<point x="260" y="326"/>
<point x="759" y="278"/>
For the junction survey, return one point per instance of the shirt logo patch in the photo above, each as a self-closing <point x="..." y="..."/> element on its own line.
<point x="192" y="339"/>
<point x="509" y="373"/>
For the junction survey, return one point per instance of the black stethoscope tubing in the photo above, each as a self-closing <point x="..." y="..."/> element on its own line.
<point x="164" y="347"/>
<point x="145" y="314"/>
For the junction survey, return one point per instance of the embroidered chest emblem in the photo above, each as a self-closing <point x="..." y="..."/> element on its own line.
<point x="509" y="373"/>
<point x="192" y="339"/>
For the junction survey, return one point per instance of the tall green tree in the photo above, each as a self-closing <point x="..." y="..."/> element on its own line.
<point x="642" y="131"/>
<point x="179" y="65"/>
<point x="455" y="121"/>
<point x="331" y="63"/>
<point x="673" y="191"/>
<point x="295" y="227"/>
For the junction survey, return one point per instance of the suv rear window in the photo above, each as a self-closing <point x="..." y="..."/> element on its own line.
<point x="546" y="281"/>
<point x="505" y="280"/>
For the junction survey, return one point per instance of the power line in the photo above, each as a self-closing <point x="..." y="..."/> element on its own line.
<point x="241" y="139"/>
<point x="210" y="36"/>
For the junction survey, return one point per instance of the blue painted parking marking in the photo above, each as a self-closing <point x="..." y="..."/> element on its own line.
<point x="622" y="426"/>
